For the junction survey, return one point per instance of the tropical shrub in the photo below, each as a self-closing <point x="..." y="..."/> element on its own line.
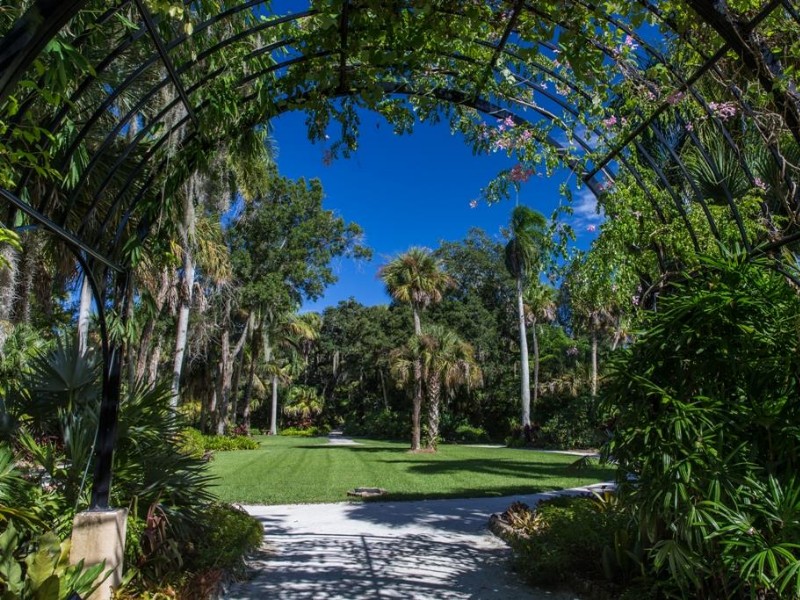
<point x="304" y="431"/>
<point x="228" y="534"/>
<point x="467" y="434"/>
<point x="42" y="570"/>
<point x="568" y="539"/>
<point x="224" y="443"/>
<point x="706" y="411"/>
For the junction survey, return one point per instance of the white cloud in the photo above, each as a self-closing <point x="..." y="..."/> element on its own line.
<point x="584" y="210"/>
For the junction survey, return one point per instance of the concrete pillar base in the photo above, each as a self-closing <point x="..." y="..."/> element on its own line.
<point x="97" y="536"/>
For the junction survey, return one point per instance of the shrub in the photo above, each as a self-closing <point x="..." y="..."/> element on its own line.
<point x="706" y="410"/>
<point x="470" y="435"/>
<point x="226" y="537"/>
<point x="302" y="431"/>
<point x="223" y="443"/>
<point x="567" y="539"/>
<point x="385" y="424"/>
<point x="192" y="442"/>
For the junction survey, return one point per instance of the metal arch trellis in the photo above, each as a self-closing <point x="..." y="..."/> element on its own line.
<point x="46" y="18"/>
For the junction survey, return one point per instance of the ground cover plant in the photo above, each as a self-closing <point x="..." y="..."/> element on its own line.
<point x="299" y="470"/>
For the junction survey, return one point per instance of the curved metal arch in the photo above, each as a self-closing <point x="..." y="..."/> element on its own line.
<point x="157" y="119"/>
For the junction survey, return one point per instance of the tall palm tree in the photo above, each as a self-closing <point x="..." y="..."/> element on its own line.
<point x="416" y="278"/>
<point x="448" y="362"/>
<point x="525" y="253"/>
<point x="540" y="305"/>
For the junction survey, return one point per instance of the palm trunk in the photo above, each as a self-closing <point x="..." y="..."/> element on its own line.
<point x="248" y="390"/>
<point x="84" y="310"/>
<point x="273" y="417"/>
<point x="8" y="281"/>
<point x="434" y="392"/>
<point x="416" y="429"/>
<point x="144" y="358"/>
<point x="224" y="376"/>
<point x="594" y="364"/>
<point x="186" y="288"/>
<point x="524" y="367"/>
<point x="535" y="367"/>
<point x="30" y="259"/>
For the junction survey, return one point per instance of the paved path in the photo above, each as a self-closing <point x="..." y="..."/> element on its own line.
<point x="427" y="550"/>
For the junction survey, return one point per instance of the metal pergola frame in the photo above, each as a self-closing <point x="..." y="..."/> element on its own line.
<point x="97" y="250"/>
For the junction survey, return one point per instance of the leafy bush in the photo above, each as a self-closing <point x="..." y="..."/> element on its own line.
<point x="568" y="539"/>
<point x="468" y="434"/>
<point x="706" y="409"/>
<point x="570" y="423"/>
<point x="227" y="536"/>
<point x="384" y="424"/>
<point x="43" y="573"/>
<point x="302" y="431"/>
<point x="192" y="442"/>
<point x="224" y="443"/>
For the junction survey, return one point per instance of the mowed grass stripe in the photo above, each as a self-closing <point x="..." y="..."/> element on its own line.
<point x="288" y="470"/>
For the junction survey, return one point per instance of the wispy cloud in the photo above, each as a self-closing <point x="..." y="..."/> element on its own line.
<point x="585" y="212"/>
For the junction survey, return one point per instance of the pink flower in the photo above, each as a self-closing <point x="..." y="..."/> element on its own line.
<point x="723" y="110"/>
<point x="630" y="43"/>
<point x="502" y="144"/>
<point x="572" y="351"/>
<point x="690" y="126"/>
<point x="675" y="97"/>
<point x="760" y="184"/>
<point x="526" y="135"/>
<point x="509" y="122"/>
<point x="610" y="121"/>
<point x="473" y="204"/>
<point x="635" y="300"/>
<point x="520" y="174"/>
<point x="591" y="228"/>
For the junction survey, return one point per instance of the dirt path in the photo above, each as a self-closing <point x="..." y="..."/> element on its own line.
<point x="428" y="550"/>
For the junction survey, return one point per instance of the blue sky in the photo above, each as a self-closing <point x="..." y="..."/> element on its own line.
<point x="411" y="190"/>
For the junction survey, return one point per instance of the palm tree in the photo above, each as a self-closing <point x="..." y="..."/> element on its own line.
<point x="540" y="305"/>
<point x="289" y="333"/>
<point x="525" y="254"/>
<point x="448" y="362"/>
<point x="418" y="279"/>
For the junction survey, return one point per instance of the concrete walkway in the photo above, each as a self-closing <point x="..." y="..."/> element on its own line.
<point x="427" y="550"/>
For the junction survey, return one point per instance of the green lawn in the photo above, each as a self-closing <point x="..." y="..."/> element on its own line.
<point x="288" y="470"/>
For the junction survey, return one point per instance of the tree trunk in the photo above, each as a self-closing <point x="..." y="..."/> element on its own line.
<point x="224" y="375"/>
<point x="594" y="364"/>
<point x="143" y="363"/>
<point x="434" y="392"/>
<point x="155" y="358"/>
<point x="32" y="248"/>
<point x="416" y="429"/>
<point x="8" y="281"/>
<point x="237" y="377"/>
<point x="84" y="312"/>
<point x="273" y="417"/>
<point x="248" y="390"/>
<point x="535" y="367"/>
<point x="524" y="368"/>
<point x="186" y="286"/>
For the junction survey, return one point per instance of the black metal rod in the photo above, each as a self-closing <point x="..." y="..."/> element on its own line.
<point x="62" y="233"/>
<point x="28" y="37"/>
<point x="162" y="52"/>
<point x="109" y="408"/>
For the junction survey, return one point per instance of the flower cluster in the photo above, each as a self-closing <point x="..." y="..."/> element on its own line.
<point x="573" y="351"/>
<point x="519" y="174"/>
<point x="723" y="110"/>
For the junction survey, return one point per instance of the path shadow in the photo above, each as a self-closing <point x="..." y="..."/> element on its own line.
<point x="355" y="567"/>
